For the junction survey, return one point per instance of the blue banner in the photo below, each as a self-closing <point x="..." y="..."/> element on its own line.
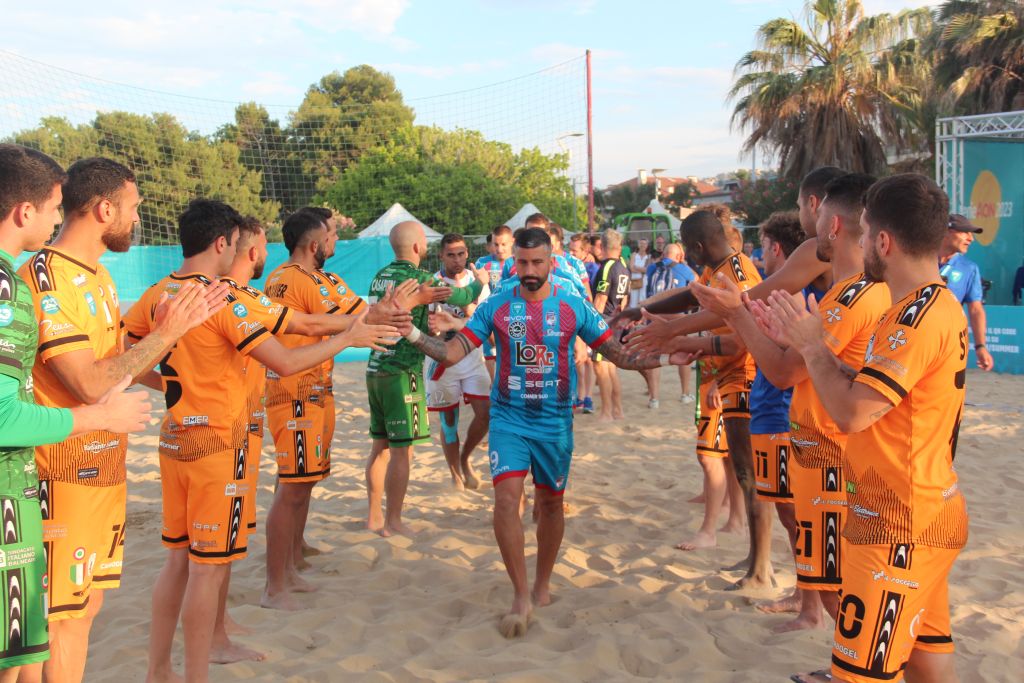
<point x="1004" y="338"/>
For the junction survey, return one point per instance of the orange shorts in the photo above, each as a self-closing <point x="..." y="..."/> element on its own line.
<point x="711" y="441"/>
<point x="895" y="599"/>
<point x="298" y="428"/>
<point x="771" y="467"/>
<point x="83" y="533"/>
<point x="253" y="455"/>
<point x="204" y="506"/>
<point x="819" y="498"/>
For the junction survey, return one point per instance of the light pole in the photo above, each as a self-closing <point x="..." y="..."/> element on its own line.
<point x="568" y="152"/>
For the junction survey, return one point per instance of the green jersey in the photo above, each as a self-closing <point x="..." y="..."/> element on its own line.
<point x="19" y="336"/>
<point x="403" y="356"/>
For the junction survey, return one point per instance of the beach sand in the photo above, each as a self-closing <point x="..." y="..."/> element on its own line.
<point x="627" y="605"/>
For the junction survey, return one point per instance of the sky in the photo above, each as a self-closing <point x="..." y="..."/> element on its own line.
<point x="661" y="68"/>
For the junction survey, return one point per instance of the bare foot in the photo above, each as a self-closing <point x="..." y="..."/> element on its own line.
<point x="302" y="565"/>
<point x="472" y="481"/>
<point x="699" y="498"/>
<point x="790" y="603"/>
<point x="740" y="566"/>
<point x="166" y="677"/>
<point x="801" y="623"/>
<point x="700" y="540"/>
<point x="375" y="521"/>
<point x="617" y="415"/>
<point x="234" y="653"/>
<point x="814" y="677"/>
<point x="399" y="529"/>
<point x="753" y="583"/>
<point x="282" y="601"/>
<point x="605" y="417"/>
<point x="457" y="483"/>
<point x="515" y="623"/>
<point x="233" y="628"/>
<point x="310" y="550"/>
<point x="731" y="528"/>
<point x="541" y="597"/>
<point x="297" y="584"/>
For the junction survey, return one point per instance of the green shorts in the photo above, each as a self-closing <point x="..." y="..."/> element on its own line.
<point x="398" y="408"/>
<point x="25" y="638"/>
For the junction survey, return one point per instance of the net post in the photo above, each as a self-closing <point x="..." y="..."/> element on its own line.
<point x="590" y="151"/>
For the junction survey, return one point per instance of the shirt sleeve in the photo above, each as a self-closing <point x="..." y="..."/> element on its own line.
<point x="27" y="424"/>
<point x="973" y="289"/>
<point x="463" y="296"/>
<point x="136" y="321"/>
<point x="592" y="328"/>
<point x="506" y="268"/>
<point x="247" y="323"/>
<point x="481" y="324"/>
<point x="347" y="301"/>
<point x="61" y="327"/>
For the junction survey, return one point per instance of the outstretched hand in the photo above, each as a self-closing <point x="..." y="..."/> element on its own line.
<point x="723" y="301"/>
<point x="388" y="311"/>
<point x="798" y="324"/>
<point x="654" y="337"/>
<point x="375" y="337"/>
<point x="625" y="318"/>
<point x="125" y="411"/>
<point x="190" y="307"/>
<point x="442" y="321"/>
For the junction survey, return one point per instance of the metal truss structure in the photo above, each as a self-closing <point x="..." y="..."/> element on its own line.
<point x="950" y="134"/>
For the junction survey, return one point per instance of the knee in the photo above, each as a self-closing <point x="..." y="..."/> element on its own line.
<point x="507" y="501"/>
<point x="549" y="505"/>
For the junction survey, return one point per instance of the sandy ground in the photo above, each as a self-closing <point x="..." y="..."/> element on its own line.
<point x="627" y="604"/>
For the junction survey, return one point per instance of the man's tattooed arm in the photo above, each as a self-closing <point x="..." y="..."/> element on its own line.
<point x="446" y="352"/>
<point x="617" y="354"/>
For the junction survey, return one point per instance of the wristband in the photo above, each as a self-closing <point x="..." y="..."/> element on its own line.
<point x="663" y="359"/>
<point x="979" y="346"/>
<point x="414" y="335"/>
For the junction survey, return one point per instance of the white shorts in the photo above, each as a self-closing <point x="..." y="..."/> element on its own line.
<point x="465" y="381"/>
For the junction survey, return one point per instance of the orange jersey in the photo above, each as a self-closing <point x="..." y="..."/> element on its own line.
<point x="203" y="376"/>
<point x="902" y="485"/>
<point x="306" y="292"/>
<point x="731" y="372"/>
<point x="77" y="309"/>
<point x="348" y="303"/>
<point x="850" y="311"/>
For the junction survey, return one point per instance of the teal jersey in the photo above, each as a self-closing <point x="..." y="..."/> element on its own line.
<point x="19" y="336"/>
<point x="403" y="356"/>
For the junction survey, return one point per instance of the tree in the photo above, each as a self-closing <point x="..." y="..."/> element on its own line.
<point x="681" y="196"/>
<point x="830" y="92"/>
<point x="980" y="55"/>
<point x="625" y="198"/>
<point x="454" y="181"/>
<point x="757" y="200"/>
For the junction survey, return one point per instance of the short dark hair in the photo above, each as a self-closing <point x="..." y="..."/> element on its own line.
<point x="577" y="237"/>
<point x="489" y="238"/>
<point x="703" y="226"/>
<point x="324" y="213"/>
<point x="912" y="208"/>
<point x="530" y="238"/>
<point x="783" y="228"/>
<point x="814" y="182"/>
<point x="501" y="230"/>
<point x="451" y="238"/>
<point x="248" y="229"/>
<point x="298" y="225"/>
<point x="720" y="211"/>
<point x="538" y="218"/>
<point x="594" y="239"/>
<point x="203" y="222"/>
<point x="847" y="191"/>
<point x="92" y="180"/>
<point x="555" y="230"/>
<point x="26" y="175"/>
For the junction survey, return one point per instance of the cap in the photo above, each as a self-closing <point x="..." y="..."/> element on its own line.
<point x="961" y="224"/>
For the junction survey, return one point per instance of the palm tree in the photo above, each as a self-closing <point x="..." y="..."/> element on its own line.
<point x="839" y="90"/>
<point x="980" y="55"/>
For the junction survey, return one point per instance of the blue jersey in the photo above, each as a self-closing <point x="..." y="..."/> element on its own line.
<point x="535" y="372"/>
<point x="769" y="405"/>
<point x="493" y="268"/>
<point x="569" y="286"/>
<point x="962" y="278"/>
<point x="577" y="266"/>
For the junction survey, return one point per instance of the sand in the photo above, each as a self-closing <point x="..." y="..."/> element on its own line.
<point x="627" y="605"/>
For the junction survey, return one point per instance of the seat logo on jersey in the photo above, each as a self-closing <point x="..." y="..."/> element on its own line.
<point x="517" y="329"/>
<point x="240" y="310"/>
<point x="49" y="304"/>
<point x="6" y="315"/>
<point x="533" y="355"/>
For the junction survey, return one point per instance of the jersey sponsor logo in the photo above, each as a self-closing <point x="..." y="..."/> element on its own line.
<point x="90" y="301"/>
<point x="324" y="291"/>
<point x="516" y="383"/>
<point x="169" y="446"/>
<point x="49" y="304"/>
<point x="533" y="355"/>
<point x="30" y="383"/>
<point x="342" y="291"/>
<point x="88" y="472"/>
<point x="79" y="280"/>
<point x="265" y="300"/>
<point x="17" y="557"/>
<point x="99" y="446"/>
<point x="249" y="328"/>
<point x="7" y="347"/>
<point x="517" y="329"/>
<point x="195" y="420"/>
<point x="550" y="319"/>
<point x="240" y="310"/>
<point x="6" y="315"/>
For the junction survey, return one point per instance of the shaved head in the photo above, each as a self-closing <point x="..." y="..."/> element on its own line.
<point x="405" y="236"/>
<point x="674" y="252"/>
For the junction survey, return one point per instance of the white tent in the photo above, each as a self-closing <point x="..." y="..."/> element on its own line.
<point x="389" y="219"/>
<point x="656" y="207"/>
<point x="519" y="220"/>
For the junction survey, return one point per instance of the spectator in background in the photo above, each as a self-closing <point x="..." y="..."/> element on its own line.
<point x="963" y="278"/>
<point x="668" y="272"/>
<point x="1018" y="285"/>
<point x="756" y="254"/>
<point x="596" y="256"/>
<point x="659" y="248"/>
<point x="637" y="267"/>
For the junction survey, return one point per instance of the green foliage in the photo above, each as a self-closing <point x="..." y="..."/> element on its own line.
<point x="454" y="181"/>
<point x="625" y="198"/>
<point x="758" y="200"/>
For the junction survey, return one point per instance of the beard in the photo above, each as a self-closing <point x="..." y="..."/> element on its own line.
<point x="532" y="284"/>
<point x="320" y="257"/>
<point x="257" y="269"/>
<point x="118" y="240"/>
<point x="874" y="266"/>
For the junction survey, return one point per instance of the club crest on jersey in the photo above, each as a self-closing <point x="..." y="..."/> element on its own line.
<point x="517" y="329"/>
<point x="240" y="310"/>
<point x="90" y="301"/>
<point x="517" y="309"/>
<point x="533" y="355"/>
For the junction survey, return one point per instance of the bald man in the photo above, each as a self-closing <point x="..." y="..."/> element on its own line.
<point x="394" y="380"/>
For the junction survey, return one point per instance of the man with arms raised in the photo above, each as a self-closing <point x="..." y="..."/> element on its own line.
<point x="534" y="325"/>
<point x="30" y="198"/>
<point x="908" y="517"/>
<point x="394" y="380"/>
<point x="467" y="381"/>
<point x="81" y="357"/>
<point x="203" y="451"/>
